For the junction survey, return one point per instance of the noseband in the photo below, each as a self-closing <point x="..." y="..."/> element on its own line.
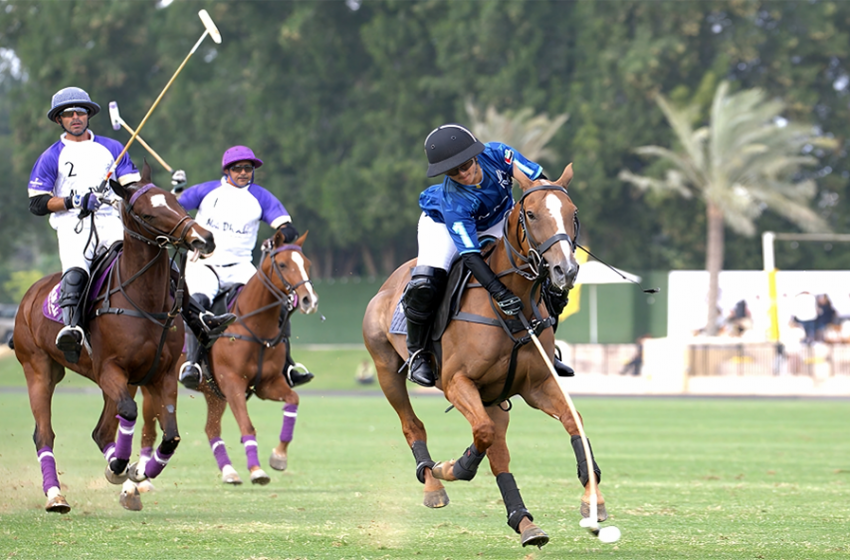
<point x="534" y="260"/>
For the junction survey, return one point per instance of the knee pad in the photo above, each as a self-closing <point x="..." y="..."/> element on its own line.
<point x="72" y="285"/>
<point x="423" y="291"/>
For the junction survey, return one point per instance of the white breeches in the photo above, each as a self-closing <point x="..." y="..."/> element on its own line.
<point x="210" y="279"/>
<point x="436" y="248"/>
<point x="77" y="250"/>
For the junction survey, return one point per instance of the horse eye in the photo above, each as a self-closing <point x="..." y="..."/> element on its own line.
<point x="530" y="215"/>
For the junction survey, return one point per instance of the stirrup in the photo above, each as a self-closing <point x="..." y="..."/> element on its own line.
<point x="69" y="341"/>
<point x="190" y="375"/>
<point x="217" y="323"/>
<point x="296" y="374"/>
<point x="423" y="355"/>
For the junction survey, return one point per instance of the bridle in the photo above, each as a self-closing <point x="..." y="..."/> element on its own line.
<point x="159" y="238"/>
<point x="533" y="266"/>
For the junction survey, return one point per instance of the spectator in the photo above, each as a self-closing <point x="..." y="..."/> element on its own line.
<point x="826" y="316"/>
<point x="739" y="319"/>
<point x="805" y="314"/>
<point x="636" y="363"/>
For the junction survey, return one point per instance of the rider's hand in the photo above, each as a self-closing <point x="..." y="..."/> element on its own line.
<point x="87" y="202"/>
<point x="509" y="303"/>
<point x="178" y="181"/>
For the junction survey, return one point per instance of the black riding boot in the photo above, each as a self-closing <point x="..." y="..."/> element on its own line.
<point x="421" y="298"/>
<point x="70" y="339"/>
<point x="202" y="322"/>
<point x="190" y="371"/>
<point x="556" y="300"/>
<point x="294" y="373"/>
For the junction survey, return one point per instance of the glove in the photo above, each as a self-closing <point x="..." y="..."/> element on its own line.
<point x="88" y="202"/>
<point x="289" y="232"/>
<point x="509" y="303"/>
<point x="178" y="181"/>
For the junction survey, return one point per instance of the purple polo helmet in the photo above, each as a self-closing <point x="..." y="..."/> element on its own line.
<point x="239" y="153"/>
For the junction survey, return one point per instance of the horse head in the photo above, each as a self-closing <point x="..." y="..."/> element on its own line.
<point x="287" y="267"/>
<point x="156" y="217"/>
<point x="546" y="224"/>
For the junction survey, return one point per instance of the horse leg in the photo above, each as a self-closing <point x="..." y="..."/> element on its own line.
<point x="519" y="519"/>
<point x="463" y="394"/>
<point x="238" y="406"/>
<point x="104" y="436"/>
<point x="277" y="389"/>
<point x="164" y="404"/>
<point x="393" y="384"/>
<point x="549" y="398"/>
<point x="215" y="410"/>
<point x="42" y="374"/>
<point x="149" y="417"/>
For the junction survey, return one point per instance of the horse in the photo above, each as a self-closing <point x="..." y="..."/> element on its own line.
<point x="484" y="365"/>
<point x="249" y="357"/>
<point x="131" y="341"/>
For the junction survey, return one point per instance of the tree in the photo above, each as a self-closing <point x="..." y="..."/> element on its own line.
<point x="745" y="161"/>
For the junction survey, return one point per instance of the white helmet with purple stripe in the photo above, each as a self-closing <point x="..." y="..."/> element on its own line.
<point x="239" y="153"/>
<point x="71" y="98"/>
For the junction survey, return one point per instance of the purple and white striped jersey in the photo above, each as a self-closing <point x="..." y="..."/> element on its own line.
<point x="80" y="167"/>
<point x="233" y="216"/>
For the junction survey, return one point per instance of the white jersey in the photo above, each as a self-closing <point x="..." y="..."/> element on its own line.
<point x="80" y="167"/>
<point x="233" y="215"/>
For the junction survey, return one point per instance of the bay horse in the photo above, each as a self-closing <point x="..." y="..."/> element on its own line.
<point x="483" y="364"/>
<point x="133" y="340"/>
<point x="249" y="357"/>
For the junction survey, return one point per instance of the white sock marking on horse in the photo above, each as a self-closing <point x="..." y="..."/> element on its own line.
<point x="52" y="492"/>
<point x="228" y="470"/>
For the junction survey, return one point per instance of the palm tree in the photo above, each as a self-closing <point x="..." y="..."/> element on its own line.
<point x="744" y="161"/>
<point x="522" y="130"/>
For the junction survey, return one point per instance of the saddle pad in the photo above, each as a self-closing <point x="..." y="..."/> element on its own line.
<point x="399" y="323"/>
<point x="50" y="308"/>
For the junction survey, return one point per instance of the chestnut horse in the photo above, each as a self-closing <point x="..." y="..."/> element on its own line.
<point x="133" y="341"/>
<point x="249" y="357"/>
<point x="478" y="372"/>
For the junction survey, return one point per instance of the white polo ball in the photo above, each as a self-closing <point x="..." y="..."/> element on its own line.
<point x="609" y="534"/>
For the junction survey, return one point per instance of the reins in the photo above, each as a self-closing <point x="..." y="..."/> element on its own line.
<point x="161" y="240"/>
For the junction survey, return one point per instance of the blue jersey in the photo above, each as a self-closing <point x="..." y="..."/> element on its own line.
<point x="468" y="209"/>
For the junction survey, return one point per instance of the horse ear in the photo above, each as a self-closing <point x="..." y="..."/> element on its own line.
<point x="566" y="176"/>
<point x="118" y="188"/>
<point x="146" y="172"/>
<point x="523" y="180"/>
<point x="300" y="240"/>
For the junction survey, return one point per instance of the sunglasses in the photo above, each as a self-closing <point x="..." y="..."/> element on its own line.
<point x="461" y="168"/>
<point x="71" y="112"/>
<point x="240" y="168"/>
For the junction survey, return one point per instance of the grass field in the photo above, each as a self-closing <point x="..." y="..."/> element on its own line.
<point x="683" y="478"/>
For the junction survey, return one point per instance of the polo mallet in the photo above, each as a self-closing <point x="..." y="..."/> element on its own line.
<point x="118" y="122"/>
<point x="608" y="534"/>
<point x="209" y="29"/>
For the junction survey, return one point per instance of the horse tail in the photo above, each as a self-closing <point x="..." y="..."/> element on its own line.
<point x="11" y="343"/>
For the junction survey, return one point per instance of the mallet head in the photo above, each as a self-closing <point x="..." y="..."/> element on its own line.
<point x="210" y="26"/>
<point x="114" y="115"/>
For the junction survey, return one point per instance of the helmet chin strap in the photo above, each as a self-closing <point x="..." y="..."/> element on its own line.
<point x="229" y="175"/>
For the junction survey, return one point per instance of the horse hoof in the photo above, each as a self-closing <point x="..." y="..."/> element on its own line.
<point x="534" y="536"/>
<point x="601" y="512"/>
<point x="146" y="486"/>
<point x="114" y="478"/>
<point x="57" y="504"/>
<point x="277" y="462"/>
<point x="135" y="473"/>
<point x="230" y="476"/>
<point x="436" y="498"/>
<point x="130" y="498"/>
<point x="260" y="477"/>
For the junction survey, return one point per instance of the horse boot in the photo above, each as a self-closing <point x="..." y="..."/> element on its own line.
<point x="294" y="373"/>
<point x="556" y="300"/>
<point x="202" y="322"/>
<point x="420" y="299"/>
<point x="190" y="371"/>
<point x="70" y="339"/>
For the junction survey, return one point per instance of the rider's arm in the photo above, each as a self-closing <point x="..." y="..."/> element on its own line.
<point x="44" y="204"/>
<point x="482" y="271"/>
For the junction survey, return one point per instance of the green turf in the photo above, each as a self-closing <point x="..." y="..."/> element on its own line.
<point x="683" y="478"/>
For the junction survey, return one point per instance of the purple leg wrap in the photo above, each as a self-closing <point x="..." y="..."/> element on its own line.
<point x="124" y="445"/>
<point x="49" y="478"/>
<point x="220" y="452"/>
<point x="109" y="452"/>
<point x="250" y="443"/>
<point x="157" y="463"/>
<point x="146" y="452"/>
<point x="290" y="414"/>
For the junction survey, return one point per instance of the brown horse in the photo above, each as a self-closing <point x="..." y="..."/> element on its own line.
<point x="249" y="357"/>
<point x="132" y="341"/>
<point x="483" y="365"/>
